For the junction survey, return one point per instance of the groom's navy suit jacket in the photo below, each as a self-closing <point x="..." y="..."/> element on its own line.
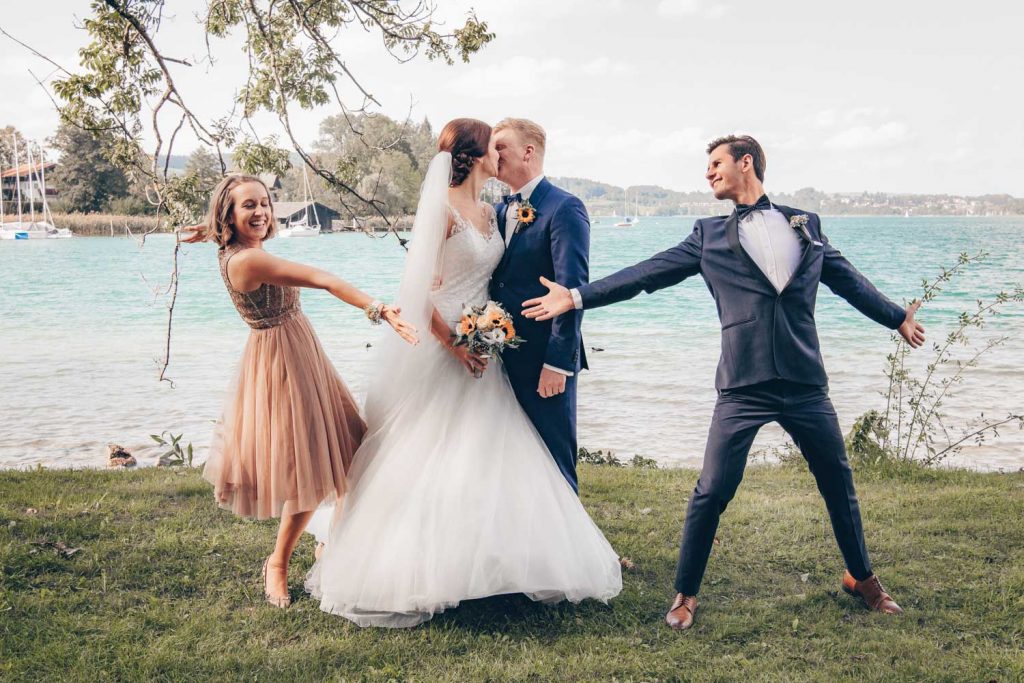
<point x="766" y="335"/>
<point x="556" y="245"/>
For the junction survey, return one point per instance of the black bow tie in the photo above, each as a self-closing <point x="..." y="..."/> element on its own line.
<point x="744" y="210"/>
<point x="512" y="199"/>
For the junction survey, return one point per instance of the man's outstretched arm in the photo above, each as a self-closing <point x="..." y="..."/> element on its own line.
<point x="665" y="269"/>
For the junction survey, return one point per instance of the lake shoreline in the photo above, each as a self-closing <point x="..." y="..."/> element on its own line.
<point x="116" y="225"/>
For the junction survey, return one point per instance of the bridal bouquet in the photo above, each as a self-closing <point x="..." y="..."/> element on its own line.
<point x="487" y="330"/>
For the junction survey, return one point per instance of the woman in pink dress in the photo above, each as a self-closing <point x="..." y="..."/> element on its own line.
<point x="290" y="425"/>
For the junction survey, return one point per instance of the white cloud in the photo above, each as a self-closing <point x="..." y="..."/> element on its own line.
<point x="716" y="11"/>
<point x="502" y="78"/>
<point x="632" y="142"/>
<point x="864" y="136"/>
<point x="825" y="118"/>
<point x="681" y="8"/>
<point x="678" y="8"/>
<point x="604" y="66"/>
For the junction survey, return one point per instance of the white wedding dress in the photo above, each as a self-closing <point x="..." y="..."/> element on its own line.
<point x="453" y="494"/>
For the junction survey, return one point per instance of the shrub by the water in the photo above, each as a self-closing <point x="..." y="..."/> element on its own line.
<point x="107" y="224"/>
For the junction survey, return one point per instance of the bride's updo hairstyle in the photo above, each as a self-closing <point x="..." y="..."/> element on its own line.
<point x="467" y="140"/>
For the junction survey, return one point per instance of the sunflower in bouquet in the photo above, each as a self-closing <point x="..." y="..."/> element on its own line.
<point x="487" y="329"/>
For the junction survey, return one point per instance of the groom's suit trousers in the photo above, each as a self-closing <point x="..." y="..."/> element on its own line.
<point x="806" y="413"/>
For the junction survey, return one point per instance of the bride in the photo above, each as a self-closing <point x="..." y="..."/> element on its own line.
<point x="453" y="495"/>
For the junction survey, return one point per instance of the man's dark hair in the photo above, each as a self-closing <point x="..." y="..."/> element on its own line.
<point x="740" y="145"/>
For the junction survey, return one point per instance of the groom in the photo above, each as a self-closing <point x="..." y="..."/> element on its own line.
<point x="763" y="264"/>
<point x="547" y="235"/>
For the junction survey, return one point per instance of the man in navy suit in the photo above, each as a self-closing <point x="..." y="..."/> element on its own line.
<point x="762" y="264"/>
<point x="547" y="234"/>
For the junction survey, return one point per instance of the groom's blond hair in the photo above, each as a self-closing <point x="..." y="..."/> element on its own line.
<point x="530" y="132"/>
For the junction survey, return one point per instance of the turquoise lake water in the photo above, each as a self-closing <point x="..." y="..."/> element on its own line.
<point x="83" y="325"/>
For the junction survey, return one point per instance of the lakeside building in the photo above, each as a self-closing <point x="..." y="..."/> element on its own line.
<point x="9" y="179"/>
<point x="291" y="213"/>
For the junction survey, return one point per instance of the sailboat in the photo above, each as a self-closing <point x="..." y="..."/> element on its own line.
<point x="303" y="227"/>
<point x="629" y="221"/>
<point x="33" y="229"/>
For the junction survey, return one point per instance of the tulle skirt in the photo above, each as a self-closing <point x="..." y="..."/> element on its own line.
<point x="289" y="428"/>
<point x="454" y="496"/>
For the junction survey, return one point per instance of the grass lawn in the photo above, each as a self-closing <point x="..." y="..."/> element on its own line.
<point x="165" y="587"/>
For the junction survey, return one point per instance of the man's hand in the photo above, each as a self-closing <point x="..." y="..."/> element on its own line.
<point x="551" y="383"/>
<point x="557" y="301"/>
<point x="911" y="330"/>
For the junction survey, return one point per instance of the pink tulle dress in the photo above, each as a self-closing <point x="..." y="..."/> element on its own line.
<point x="290" y="425"/>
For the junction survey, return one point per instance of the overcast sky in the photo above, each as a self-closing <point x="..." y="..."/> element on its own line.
<point x="900" y="96"/>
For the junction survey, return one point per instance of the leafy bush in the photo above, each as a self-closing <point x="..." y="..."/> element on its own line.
<point x="914" y="427"/>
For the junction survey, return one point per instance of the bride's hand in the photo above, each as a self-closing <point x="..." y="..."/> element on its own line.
<point x="473" y="363"/>
<point x="404" y="329"/>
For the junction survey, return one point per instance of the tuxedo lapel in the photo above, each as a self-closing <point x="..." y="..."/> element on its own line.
<point x="806" y="248"/>
<point x="502" y="213"/>
<point x="732" y="234"/>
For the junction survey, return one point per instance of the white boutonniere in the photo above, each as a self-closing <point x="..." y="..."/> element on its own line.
<point x="799" y="223"/>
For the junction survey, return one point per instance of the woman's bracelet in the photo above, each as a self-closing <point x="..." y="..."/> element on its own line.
<point x="375" y="312"/>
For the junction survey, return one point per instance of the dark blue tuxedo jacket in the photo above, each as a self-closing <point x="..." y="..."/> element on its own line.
<point x="766" y="335"/>
<point x="557" y="246"/>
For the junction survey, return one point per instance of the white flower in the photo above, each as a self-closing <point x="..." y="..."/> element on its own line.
<point x="799" y="221"/>
<point x="495" y="336"/>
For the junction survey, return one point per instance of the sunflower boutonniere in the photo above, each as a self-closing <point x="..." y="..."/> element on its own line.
<point x="525" y="215"/>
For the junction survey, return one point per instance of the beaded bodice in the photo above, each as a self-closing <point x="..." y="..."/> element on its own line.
<point x="470" y="258"/>
<point x="265" y="307"/>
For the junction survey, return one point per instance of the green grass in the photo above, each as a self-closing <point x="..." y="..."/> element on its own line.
<point x="165" y="588"/>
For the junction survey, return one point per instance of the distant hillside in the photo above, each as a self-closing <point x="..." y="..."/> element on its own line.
<point x="603" y="199"/>
<point x="178" y="162"/>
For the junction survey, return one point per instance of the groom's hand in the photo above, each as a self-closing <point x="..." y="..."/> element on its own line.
<point x="551" y="383"/>
<point x="557" y="301"/>
<point x="911" y="330"/>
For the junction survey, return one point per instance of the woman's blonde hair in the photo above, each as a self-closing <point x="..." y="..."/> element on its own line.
<point x="530" y="132"/>
<point x="217" y="227"/>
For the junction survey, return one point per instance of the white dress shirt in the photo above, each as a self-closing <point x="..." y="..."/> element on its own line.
<point x="510" y="227"/>
<point x="510" y="215"/>
<point x="770" y="242"/>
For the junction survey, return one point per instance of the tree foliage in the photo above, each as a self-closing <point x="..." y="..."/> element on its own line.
<point x="7" y="136"/>
<point x="88" y="181"/>
<point x="379" y="156"/>
<point x="294" y="60"/>
<point x="126" y="89"/>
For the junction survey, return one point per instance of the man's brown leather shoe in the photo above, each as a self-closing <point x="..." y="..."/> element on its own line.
<point x="680" y="615"/>
<point x="870" y="590"/>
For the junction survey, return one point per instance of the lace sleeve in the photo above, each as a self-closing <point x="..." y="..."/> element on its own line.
<point x="456" y="223"/>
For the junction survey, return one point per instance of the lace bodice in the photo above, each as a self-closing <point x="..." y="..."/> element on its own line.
<point x="469" y="259"/>
<point x="267" y="306"/>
